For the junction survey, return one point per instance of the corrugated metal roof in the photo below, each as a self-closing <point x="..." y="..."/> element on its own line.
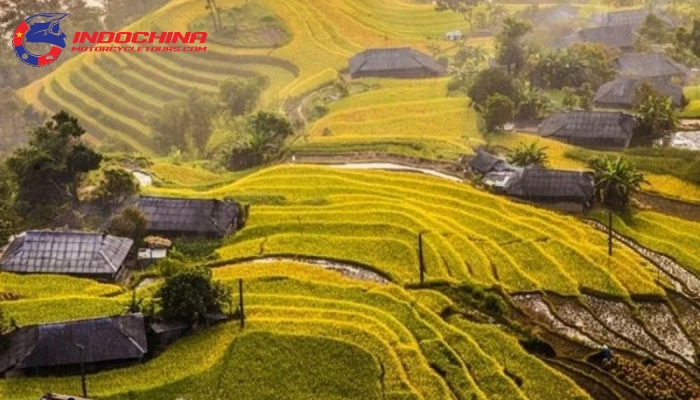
<point x="621" y="92"/>
<point x="189" y="216"/>
<point x="613" y="36"/>
<point x="551" y="184"/>
<point x="70" y="252"/>
<point x="103" y="339"/>
<point x="588" y="124"/>
<point x="403" y="58"/>
<point x="485" y="162"/>
<point x="649" y="65"/>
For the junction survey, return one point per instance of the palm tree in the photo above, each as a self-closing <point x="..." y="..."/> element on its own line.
<point x="525" y="155"/>
<point x="615" y="181"/>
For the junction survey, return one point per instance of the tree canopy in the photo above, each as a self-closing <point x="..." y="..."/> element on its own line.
<point x="48" y="171"/>
<point x="510" y="49"/>
<point x="525" y="155"/>
<point x="655" y="114"/>
<point x="498" y="111"/>
<point x="189" y="294"/>
<point x="616" y="179"/>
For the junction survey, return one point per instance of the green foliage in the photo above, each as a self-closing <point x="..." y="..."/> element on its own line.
<point x="467" y="62"/>
<point x="241" y="97"/>
<point x="498" y="111"/>
<point x="525" y="155"/>
<point x="189" y="294"/>
<point x="130" y="223"/>
<point x="615" y="181"/>
<point x="116" y="186"/>
<point x="533" y="103"/>
<point x="510" y="49"/>
<point x="48" y="171"/>
<point x="585" y="96"/>
<point x="186" y="123"/>
<point x="197" y="250"/>
<point x="580" y="63"/>
<point x="488" y="82"/>
<point x="570" y="100"/>
<point x="655" y="30"/>
<point x="655" y="114"/>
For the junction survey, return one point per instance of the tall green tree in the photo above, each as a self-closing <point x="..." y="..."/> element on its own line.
<point x="654" y="113"/>
<point x="188" y="295"/>
<point x="491" y="81"/>
<point x="6" y="206"/>
<point x="510" y="47"/>
<point x="616" y="179"/>
<point x="498" y="111"/>
<point x="241" y="97"/>
<point x="130" y="223"/>
<point x="116" y="186"/>
<point x="48" y="171"/>
<point x="465" y="8"/>
<point x="525" y="155"/>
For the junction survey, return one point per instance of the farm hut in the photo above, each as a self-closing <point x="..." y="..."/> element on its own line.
<point x="652" y="67"/>
<point x="401" y="62"/>
<point x="632" y="18"/>
<point x="454" y="35"/>
<point x="592" y="129"/>
<point x="485" y="162"/>
<point x="620" y="37"/>
<point x="83" y="254"/>
<point x="166" y="333"/>
<point x="620" y="93"/>
<point x="570" y="191"/>
<point x="55" y="349"/>
<point x="54" y="396"/>
<point x="177" y="217"/>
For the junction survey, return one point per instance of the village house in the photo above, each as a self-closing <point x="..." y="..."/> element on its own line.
<point x="651" y="66"/>
<point x="179" y="217"/>
<point x="620" y="93"/>
<point x="83" y="254"/>
<point x="483" y="163"/>
<point x="592" y="129"/>
<point x="569" y="191"/>
<point x="401" y="62"/>
<point x="59" y="348"/>
<point x="620" y="37"/>
<point x="632" y="18"/>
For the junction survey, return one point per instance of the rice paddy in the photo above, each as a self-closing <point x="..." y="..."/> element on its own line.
<point x="366" y="341"/>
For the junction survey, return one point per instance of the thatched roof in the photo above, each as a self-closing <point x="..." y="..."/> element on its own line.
<point x="51" y="345"/>
<point x="588" y="124"/>
<point x="547" y="184"/>
<point x="393" y="59"/>
<point x="182" y="217"/>
<point x="620" y="92"/>
<point x="69" y="252"/>
<point x="649" y="65"/>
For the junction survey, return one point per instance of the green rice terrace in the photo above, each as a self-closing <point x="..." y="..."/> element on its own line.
<point x="361" y="257"/>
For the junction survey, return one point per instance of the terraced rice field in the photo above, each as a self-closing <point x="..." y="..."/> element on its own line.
<point x="112" y="93"/>
<point x="677" y="238"/>
<point x="366" y="341"/>
<point x="374" y="218"/>
<point x="413" y="118"/>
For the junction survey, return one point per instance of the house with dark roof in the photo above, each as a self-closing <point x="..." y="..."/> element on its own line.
<point x="59" y="348"/>
<point x="401" y="62"/>
<point x="179" y="217"/>
<point x="571" y="191"/>
<point x="632" y="18"/>
<point x="83" y="254"/>
<point x="621" y="37"/>
<point x="483" y="163"/>
<point x="620" y="93"/>
<point x="592" y="129"/>
<point x="651" y="66"/>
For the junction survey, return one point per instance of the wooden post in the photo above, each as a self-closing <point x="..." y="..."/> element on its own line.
<point x="82" y="368"/>
<point x="240" y="302"/>
<point x="421" y="262"/>
<point x="610" y="235"/>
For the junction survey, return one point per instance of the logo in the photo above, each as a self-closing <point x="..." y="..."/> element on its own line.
<point x="37" y="30"/>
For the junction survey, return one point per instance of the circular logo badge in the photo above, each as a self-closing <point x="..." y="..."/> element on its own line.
<point x="41" y="30"/>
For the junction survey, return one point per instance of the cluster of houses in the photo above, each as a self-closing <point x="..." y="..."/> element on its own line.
<point x="61" y="348"/>
<point x="569" y="191"/>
